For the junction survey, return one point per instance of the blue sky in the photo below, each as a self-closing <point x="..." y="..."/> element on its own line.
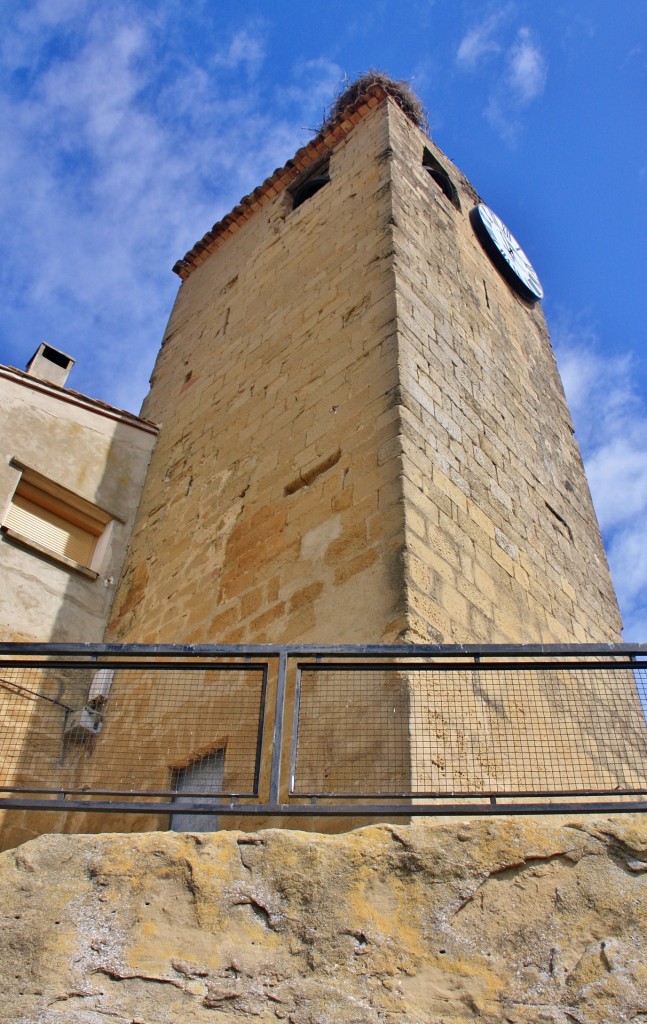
<point x="129" y="128"/>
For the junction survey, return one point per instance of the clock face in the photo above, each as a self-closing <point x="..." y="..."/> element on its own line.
<point x="506" y="253"/>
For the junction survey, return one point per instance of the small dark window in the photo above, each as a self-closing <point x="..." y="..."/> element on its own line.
<point x="436" y="171"/>
<point x="308" y="189"/>
<point x="310" y="183"/>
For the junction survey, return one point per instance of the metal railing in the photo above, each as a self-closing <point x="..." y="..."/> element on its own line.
<point x="302" y="730"/>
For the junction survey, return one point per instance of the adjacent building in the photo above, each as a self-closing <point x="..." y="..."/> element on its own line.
<point x="71" y="473"/>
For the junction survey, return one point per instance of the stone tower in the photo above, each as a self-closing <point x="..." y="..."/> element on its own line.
<point x="364" y="437"/>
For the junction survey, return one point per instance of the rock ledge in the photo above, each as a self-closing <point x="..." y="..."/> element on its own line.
<point x="522" y="921"/>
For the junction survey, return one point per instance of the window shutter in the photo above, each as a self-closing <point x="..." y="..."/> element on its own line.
<point x="51" y="531"/>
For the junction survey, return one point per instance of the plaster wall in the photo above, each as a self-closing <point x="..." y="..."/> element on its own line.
<point x="100" y="455"/>
<point x="99" y="458"/>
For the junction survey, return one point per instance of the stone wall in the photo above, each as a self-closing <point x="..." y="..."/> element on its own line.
<point x="271" y="511"/>
<point x="363" y="439"/>
<point x="524" y="921"/>
<point x="502" y="540"/>
<point x="332" y="373"/>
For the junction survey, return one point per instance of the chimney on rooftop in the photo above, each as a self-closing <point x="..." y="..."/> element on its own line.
<point x="50" y="364"/>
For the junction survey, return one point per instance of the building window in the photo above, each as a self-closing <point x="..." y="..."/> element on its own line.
<point x="57" y="523"/>
<point x="308" y="184"/>
<point x="437" y="173"/>
<point x="205" y="776"/>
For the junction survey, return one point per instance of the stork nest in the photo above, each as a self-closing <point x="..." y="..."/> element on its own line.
<point x="401" y="92"/>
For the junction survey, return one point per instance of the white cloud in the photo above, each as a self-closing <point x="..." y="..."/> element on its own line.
<point x="246" y="49"/>
<point x="118" y="154"/>
<point x="610" y="417"/>
<point x="318" y="81"/>
<point x="526" y="68"/>
<point x="505" y="121"/>
<point x="480" y="42"/>
<point x="26" y="25"/>
<point x="617" y="471"/>
<point x="516" y="69"/>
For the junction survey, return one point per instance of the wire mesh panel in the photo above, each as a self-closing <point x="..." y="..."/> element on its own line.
<point x="352" y="731"/>
<point x="182" y="728"/>
<point x="456" y="730"/>
<point x="131" y="729"/>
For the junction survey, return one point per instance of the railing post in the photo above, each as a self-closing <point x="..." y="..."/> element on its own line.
<point x="279" y="719"/>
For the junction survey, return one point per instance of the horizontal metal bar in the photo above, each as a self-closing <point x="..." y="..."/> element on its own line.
<point x="149" y="665"/>
<point x="471" y="666"/>
<point x="342" y="650"/>
<point x="300" y="794"/>
<point x="465" y="794"/>
<point x="328" y="810"/>
<point x="221" y="795"/>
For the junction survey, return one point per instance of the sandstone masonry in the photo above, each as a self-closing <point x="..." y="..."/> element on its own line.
<point x="363" y="432"/>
